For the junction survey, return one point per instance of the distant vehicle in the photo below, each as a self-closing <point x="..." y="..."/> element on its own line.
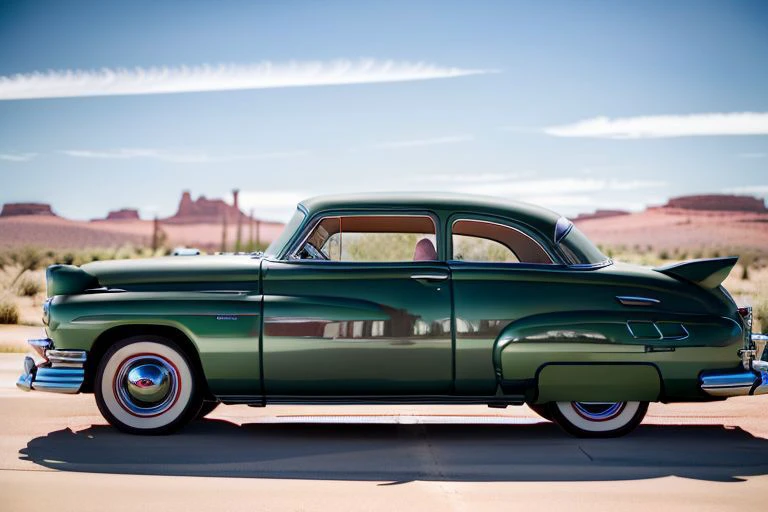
<point x="389" y="299"/>
<point x="185" y="251"/>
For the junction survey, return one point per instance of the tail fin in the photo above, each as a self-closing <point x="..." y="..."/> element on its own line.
<point x="707" y="273"/>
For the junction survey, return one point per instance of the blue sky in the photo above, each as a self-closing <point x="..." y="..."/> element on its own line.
<point x="682" y="86"/>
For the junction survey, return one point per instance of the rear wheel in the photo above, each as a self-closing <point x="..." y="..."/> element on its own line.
<point x="145" y="385"/>
<point x="598" y="419"/>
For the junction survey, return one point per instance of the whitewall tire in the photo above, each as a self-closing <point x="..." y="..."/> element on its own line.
<point x="146" y="385"/>
<point x="598" y="419"/>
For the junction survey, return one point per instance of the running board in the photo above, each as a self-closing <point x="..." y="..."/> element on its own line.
<point x="261" y="401"/>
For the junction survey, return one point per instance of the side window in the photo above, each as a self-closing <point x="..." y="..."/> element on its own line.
<point x="477" y="240"/>
<point x="372" y="238"/>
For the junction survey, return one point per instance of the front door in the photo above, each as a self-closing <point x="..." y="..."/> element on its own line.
<point x="343" y="319"/>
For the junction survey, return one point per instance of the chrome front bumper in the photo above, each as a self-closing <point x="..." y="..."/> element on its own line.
<point x="753" y="380"/>
<point x="62" y="371"/>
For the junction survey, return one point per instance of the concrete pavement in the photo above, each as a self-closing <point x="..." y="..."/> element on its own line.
<point x="56" y="452"/>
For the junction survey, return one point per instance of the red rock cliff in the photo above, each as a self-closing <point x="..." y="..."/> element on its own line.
<point x="123" y="214"/>
<point x="719" y="202"/>
<point x="205" y="211"/>
<point x="15" y="209"/>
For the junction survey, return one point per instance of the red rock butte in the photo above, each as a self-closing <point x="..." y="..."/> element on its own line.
<point x="206" y="211"/>
<point x="718" y="202"/>
<point x="601" y="214"/>
<point x="123" y="214"/>
<point x="17" y="209"/>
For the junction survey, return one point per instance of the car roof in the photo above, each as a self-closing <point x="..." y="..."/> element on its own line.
<point x="535" y="216"/>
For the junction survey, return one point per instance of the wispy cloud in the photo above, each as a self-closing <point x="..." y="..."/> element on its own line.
<point x="415" y="143"/>
<point x="734" y="123"/>
<point x="176" y="156"/>
<point x="223" y="77"/>
<point x="483" y="178"/>
<point x="752" y="156"/>
<point x="755" y="190"/>
<point x="272" y="205"/>
<point x="557" y="186"/>
<point x="17" y="157"/>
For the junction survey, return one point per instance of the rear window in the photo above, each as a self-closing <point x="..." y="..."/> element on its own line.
<point x="580" y="250"/>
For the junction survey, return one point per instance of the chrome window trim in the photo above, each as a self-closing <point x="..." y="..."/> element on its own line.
<point x="563" y="226"/>
<point x="461" y="218"/>
<point x="290" y="255"/>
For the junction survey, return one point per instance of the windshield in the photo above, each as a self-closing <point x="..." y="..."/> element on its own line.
<point x="579" y="249"/>
<point x="277" y="246"/>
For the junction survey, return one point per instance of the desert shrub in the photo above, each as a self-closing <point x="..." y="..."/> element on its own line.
<point x="664" y="254"/>
<point x="67" y="258"/>
<point x="9" y="311"/>
<point x="760" y="311"/>
<point x="27" y="258"/>
<point x="28" y="286"/>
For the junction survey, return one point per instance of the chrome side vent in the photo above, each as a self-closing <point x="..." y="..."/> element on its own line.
<point x="629" y="300"/>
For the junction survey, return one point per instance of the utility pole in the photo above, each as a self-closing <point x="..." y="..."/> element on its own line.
<point x="155" y="234"/>
<point x="224" y="233"/>
<point x="238" y="236"/>
<point x="251" y="247"/>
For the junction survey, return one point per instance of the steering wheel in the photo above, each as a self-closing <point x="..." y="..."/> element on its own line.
<point x="312" y="253"/>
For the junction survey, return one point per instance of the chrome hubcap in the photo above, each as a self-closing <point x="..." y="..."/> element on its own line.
<point x="598" y="411"/>
<point x="146" y="385"/>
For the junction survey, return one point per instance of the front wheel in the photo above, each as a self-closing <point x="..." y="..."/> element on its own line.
<point x="145" y="385"/>
<point x="598" y="419"/>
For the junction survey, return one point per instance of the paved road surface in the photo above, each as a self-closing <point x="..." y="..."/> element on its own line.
<point x="57" y="453"/>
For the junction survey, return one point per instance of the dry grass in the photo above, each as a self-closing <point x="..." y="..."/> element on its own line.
<point x="9" y="310"/>
<point x="29" y="286"/>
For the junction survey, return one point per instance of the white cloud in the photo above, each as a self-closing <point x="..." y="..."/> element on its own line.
<point x="271" y="205"/>
<point x="17" y="157"/>
<point x="176" y="156"/>
<point x="414" y="143"/>
<point x="470" y="178"/>
<point x="556" y="186"/>
<point x="734" y="123"/>
<point x="755" y="190"/>
<point x="222" y="77"/>
<point x="752" y="155"/>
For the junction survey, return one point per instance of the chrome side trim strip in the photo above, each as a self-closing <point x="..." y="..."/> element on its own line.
<point x="629" y="300"/>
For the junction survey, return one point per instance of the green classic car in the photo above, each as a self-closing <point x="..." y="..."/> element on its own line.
<point x="389" y="299"/>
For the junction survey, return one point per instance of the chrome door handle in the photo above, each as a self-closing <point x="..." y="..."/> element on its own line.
<point x="430" y="277"/>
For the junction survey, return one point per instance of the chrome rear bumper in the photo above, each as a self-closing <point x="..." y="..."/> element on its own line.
<point x="62" y="371"/>
<point x="753" y="380"/>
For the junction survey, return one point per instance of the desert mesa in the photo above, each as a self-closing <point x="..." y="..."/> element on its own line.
<point x="683" y="223"/>
<point x="197" y="223"/>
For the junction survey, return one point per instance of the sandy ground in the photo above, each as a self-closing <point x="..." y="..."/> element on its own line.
<point x="683" y="229"/>
<point x="13" y="338"/>
<point x="59" y="233"/>
<point x="56" y="452"/>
